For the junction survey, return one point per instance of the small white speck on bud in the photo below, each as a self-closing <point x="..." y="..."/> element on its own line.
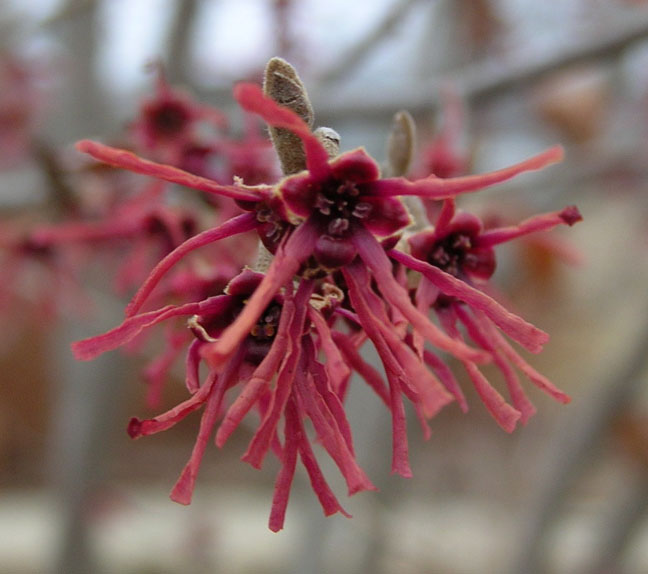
<point x="330" y="139"/>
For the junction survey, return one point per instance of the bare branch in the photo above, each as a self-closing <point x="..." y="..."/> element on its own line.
<point x="490" y="78"/>
<point x="179" y="39"/>
<point x="354" y="56"/>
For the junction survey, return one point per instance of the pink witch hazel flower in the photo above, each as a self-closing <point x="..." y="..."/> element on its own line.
<point x="453" y="258"/>
<point x="289" y="334"/>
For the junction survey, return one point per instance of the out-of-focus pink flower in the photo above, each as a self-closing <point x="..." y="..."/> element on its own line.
<point x="147" y="226"/>
<point x="43" y="274"/>
<point x="168" y="123"/>
<point x="443" y="155"/>
<point x="21" y="102"/>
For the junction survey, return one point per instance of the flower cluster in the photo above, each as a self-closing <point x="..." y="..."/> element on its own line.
<point x="339" y="266"/>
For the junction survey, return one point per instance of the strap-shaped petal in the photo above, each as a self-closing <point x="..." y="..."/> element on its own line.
<point x="286" y="263"/>
<point x="128" y="160"/>
<point x="514" y="326"/>
<point x="234" y="226"/>
<point x="437" y="188"/>
<point x="542" y="222"/>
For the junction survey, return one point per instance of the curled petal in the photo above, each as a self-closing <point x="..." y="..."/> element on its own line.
<point x="240" y="224"/>
<point x="534" y="376"/>
<point x="182" y="492"/>
<point x="192" y="366"/>
<point x="400" y="448"/>
<point x="436" y="188"/>
<point x="503" y="413"/>
<point x="477" y="331"/>
<point x="323" y="387"/>
<point x="446" y="215"/>
<point x="376" y="323"/>
<point x="365" y="370"/>
<point x="327" y="499"/>
<point x="288" y="372"/>
<point x="260" y="379"/>
<point x="330" y="434"/>
<point x="88" y="349"/>
<point x="336" y="366"/>
<point x="446" y="377"/>
<point x="128" y="160"/>
<point x="568" y="216"/>
<point x="138" y="428"/>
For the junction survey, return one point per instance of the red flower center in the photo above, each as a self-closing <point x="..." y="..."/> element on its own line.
<point x="262" y="334"/>
<point x="266" y="327"/>
<point x="338" y="205"/>
<point x="451" y="253"/>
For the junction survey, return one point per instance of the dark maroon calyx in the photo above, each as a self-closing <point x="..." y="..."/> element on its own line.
<point x="332" y="252"/>
<point x="451" y="253"/>
<point x="338" y="207"/>
<point x="457" y="255"/>
<point x="457" y="250"/>
<point x="34" y="248"/>
<point x="209" y="327"/>
<point x="272" y="227"/>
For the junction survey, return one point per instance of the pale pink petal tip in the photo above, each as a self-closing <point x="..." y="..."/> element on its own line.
<point x="563" y="398"/>
<point x="183" y="490"/>
<point x="507" y="418"/>
<point x="84" y="146"/>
